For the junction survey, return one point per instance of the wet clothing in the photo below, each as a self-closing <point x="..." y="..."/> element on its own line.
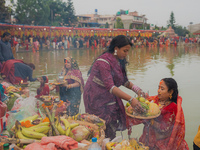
<point x="5" y="51"/>
<point x="106" y="73"/>
<point x="15" y="71"/>
<point x="170" y="132"/>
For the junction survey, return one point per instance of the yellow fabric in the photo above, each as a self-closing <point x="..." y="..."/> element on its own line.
<point x="197" y="138"/>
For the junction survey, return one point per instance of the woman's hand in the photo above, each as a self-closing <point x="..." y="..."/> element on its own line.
<point x="136" y="105"/>
<point x="143" y="94"/>
<point x="53" y="87"/>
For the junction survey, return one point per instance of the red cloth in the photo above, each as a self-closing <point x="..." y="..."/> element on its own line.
<point x="171" y="122"/>
<point x="54" y="143"/>
<point x="8" y="70"/>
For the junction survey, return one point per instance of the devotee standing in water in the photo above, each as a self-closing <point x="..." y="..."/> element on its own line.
<point x="72" y="90"/>
<point x="102" y="97"/>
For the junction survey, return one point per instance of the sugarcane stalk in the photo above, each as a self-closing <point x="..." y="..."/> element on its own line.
<point x="51" y="119"/>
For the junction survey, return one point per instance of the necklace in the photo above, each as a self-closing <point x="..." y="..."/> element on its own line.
<point x="162" y="104"/>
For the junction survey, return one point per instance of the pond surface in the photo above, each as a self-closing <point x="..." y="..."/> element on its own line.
<point x="146" y="68"/>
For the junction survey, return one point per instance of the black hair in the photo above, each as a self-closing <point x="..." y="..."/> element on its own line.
<point x="172" y="85"/>
<point x="5" y="34"/>
<point x="118" y="41"/>
<point x="31" y="65"/>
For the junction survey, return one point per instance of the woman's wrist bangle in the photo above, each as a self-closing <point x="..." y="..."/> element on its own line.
<point x="130" y="100"/>
<point x="135" y="88"/>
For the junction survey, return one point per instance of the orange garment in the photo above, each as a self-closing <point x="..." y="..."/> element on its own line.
<point x="54" y="143"/>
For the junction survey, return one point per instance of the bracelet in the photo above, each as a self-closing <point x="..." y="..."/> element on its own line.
<point x="130" y="100"/>
<point x="135" y="88"/>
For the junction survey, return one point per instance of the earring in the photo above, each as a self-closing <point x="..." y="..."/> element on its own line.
<point x="115" y="53"/>
<point x="170" y="96"/>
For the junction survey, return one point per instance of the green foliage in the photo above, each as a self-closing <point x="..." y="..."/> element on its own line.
<point x="130" y="26"/>
<point x="5" y="12"/>
<point x="163" y="28"/>
<point x="171" y="21"/>
<point x="148" y="27"/>
<point x="119" y="23"/>
<point x="106" y="25"/>
<point x="32" y="12"/>
<point x="156" y="27"/>
<point x="45" y="12"/>
<point x="181" y="31"/>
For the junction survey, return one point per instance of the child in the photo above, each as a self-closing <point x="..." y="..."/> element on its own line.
<point x="44" y="88"/>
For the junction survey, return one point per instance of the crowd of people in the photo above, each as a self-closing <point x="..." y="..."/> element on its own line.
<point x="102" y="95"/>
<point x="34" y="43"/>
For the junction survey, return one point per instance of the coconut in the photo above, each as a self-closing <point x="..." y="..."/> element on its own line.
<point x="80" y="133"/>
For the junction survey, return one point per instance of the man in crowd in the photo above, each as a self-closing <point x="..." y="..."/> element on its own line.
<point x="5" y="48"/>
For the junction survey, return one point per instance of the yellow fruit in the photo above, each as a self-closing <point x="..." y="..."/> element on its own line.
<point x="31" y="118"/>
<point x="109" y="145"/>
<point x="128" y="104"/>
<point x="39" y="129"/>
<point x="32" y="134"/>
<point x="153" y="109"/>
<point x="67" y="126"/>
<point x="74" y="125"/>
<point x="20" y="135"/>
<point x="142" y="99"/>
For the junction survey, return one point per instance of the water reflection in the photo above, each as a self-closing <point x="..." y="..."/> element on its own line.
<point x="50" y="62"/>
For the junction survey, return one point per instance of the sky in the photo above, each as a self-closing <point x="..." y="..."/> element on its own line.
<point x="157" y="11"/>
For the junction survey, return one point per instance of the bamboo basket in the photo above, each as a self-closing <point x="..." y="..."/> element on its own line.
<point x="93" y="126"/>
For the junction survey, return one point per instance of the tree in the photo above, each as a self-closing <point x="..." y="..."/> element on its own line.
<point x="181" y="31"/>
<point x="32" y="12"/>
<point x="148" y="26"/>
<point x="45" y="12"/>
<point x="119" y="23"/>
<point x="106" y="25"/>
<point x="5" y="12"/>
<point x="69" y="14"/>
<point x="156" y="27"/>
<point x="163" y="28"/>
<point x="171" y="21"/>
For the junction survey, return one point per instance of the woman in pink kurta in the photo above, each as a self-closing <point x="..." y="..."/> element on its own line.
<point x="102" y="97"/>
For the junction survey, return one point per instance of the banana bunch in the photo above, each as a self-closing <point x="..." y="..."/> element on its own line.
<point x="64" y="130"/>
<point x="76" y="117"/>
<point x="31" y="119"/>
<point x="12" y="89"/>
<point x="34" y="132"/>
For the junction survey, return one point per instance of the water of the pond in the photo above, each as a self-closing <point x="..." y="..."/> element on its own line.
<point x="146" y="68"/>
